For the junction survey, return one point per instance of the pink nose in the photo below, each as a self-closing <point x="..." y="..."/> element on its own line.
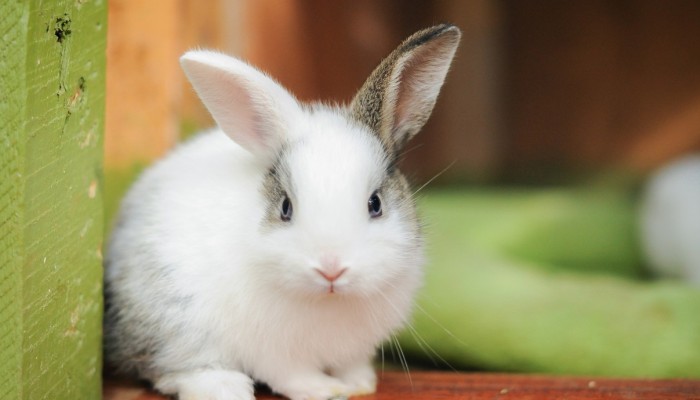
<point x="330" y="268"/>
<point x="331" y="275"/>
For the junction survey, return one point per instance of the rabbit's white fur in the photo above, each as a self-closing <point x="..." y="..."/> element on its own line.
<point x="671" y="220"/>
<point x="208" y="288"/>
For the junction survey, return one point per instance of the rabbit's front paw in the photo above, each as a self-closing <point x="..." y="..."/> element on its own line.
<point x="316" y="386"/>
<point x="360" y="379"/>
<point x="207" y="385"/>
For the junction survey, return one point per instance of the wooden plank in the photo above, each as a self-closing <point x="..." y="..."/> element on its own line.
<point x="440" y="385"/>
<point x="53" y="229"/>
<point x="143" y="80"/>
<point x="13" y="24"/>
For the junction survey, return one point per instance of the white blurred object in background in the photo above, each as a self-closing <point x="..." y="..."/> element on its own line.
<point x="670" y="222"/>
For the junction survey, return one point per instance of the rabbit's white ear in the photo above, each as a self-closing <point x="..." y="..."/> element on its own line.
<point x="398" y="97"/>
<point x="250" y="107"/>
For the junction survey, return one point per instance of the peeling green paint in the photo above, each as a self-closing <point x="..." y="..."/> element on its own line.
<point x="62" y="28"/>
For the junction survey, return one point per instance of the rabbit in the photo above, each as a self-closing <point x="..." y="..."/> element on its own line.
<point x="670" y="220"/>
<point x="282" y="247"/>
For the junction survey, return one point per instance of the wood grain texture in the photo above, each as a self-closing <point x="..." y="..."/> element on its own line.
<point x="12" y="108"/>
<point x="440" y="385"/>
<point x="51" y="202"/>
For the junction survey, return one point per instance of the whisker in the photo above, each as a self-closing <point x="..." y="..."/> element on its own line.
<point x="452" y="335"/>
<point x="419" y="341"/>
<point x="427" y="348"/>
<point x="422" y="343"/>
<point x="434" y="177"/>
<point x="392" y="351"/>
<point x="375" y="322"/>
<point x="408" y="150"/>
<point x="394" y="342"/>
<point x="402" y="358"/>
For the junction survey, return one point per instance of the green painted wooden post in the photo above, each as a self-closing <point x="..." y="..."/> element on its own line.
<point x="52" y="81"/>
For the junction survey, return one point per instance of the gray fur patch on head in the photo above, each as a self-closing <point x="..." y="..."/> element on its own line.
<point x="276" y="184"/>
<point x="396" y="191"/>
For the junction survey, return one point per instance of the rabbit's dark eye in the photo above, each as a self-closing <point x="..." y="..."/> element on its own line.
<point x="374" y="205"/>
<point x="286" y="213"/>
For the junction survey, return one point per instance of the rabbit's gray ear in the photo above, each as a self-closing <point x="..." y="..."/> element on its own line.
<point x="398" y="97"/>
<point x="250" y="107"/>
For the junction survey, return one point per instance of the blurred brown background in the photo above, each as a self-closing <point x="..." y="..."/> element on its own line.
<point x="540" y="89"/>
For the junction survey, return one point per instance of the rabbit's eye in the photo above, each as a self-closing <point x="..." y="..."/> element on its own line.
<point x="374" y="205"/>
<point x="286" y="213"/>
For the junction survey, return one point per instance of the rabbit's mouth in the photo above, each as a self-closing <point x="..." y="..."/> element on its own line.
<point x="336" y="288"/>
<point x="332" y="272"/>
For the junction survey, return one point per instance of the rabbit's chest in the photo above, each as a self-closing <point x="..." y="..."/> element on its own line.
<point x="323" y="335"/>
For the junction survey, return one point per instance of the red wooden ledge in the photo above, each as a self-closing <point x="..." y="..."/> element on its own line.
<point x="441" y="385"/>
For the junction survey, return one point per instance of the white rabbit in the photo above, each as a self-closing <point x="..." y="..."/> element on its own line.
<point x="671" y="220"/>
<point x="283" y="247"/>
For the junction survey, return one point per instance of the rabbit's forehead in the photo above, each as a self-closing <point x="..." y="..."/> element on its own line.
<point x="337" y="159"/>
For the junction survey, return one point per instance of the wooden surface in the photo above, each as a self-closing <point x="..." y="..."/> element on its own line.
<point x="51" y="108"/>
<point x="433" y="385"/>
